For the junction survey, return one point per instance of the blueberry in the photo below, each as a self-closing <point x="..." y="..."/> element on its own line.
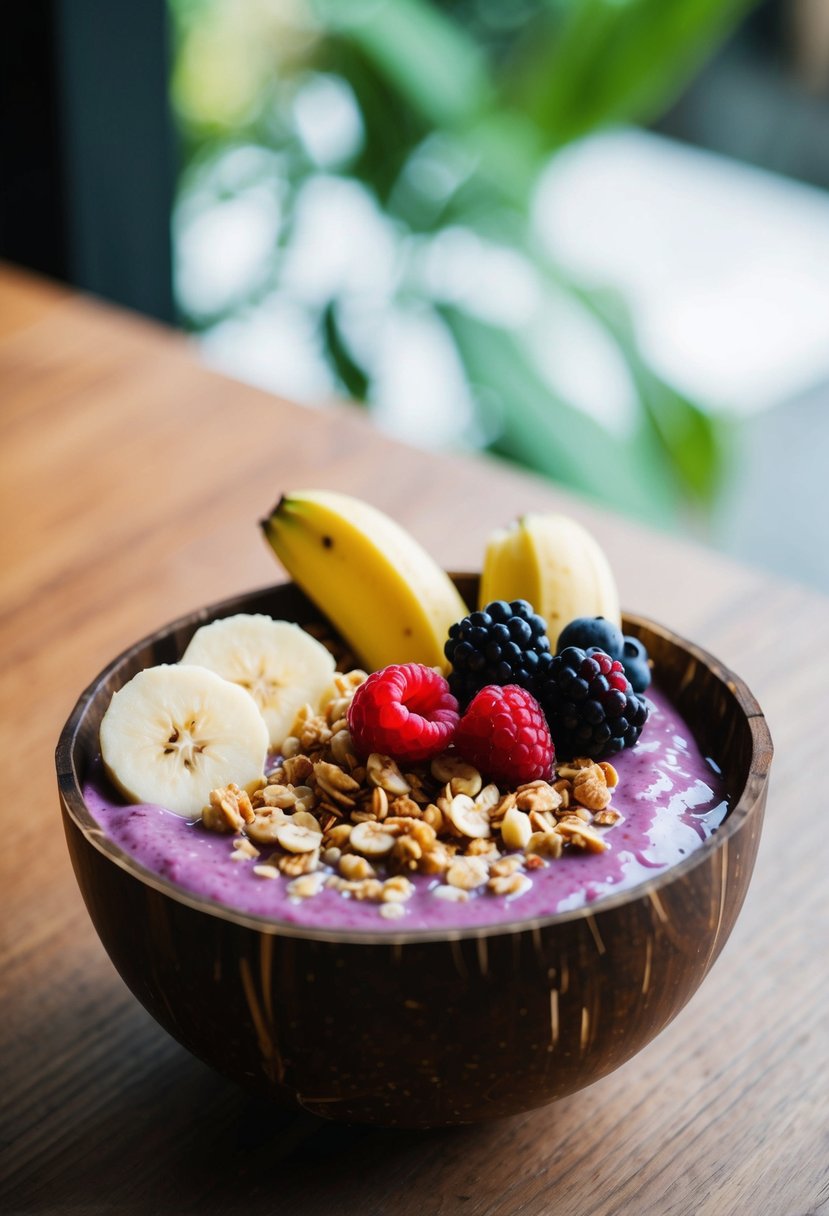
<point x="639" y="675"/>
<point x="635" y="662"/>
<point x="588" y="631"/>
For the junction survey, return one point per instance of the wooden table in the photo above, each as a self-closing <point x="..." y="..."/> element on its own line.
<point x="132" y="482"/>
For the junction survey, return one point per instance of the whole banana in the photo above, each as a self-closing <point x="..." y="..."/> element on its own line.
<point x="555" y="563"/>
<point x="384" y="594"/>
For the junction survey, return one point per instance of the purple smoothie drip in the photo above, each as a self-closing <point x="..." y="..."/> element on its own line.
<point x="670" y="796"/>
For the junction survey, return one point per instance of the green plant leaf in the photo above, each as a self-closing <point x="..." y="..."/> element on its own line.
<point x="352" y="377"/>
<point x="615" y="60"/>
<point x="438" y="68"/>
<point x="430" y="59"/>
<point x="693" y="440"/>
<point x="541" y="430"/>
<point x="392" y="128"/>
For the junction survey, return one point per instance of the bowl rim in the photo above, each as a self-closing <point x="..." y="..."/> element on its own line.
<point x="73" y="802"/>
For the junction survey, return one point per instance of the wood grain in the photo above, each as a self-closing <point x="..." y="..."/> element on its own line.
<point x="131" y="482"/>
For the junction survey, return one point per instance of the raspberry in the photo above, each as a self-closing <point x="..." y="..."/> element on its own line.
<point x="502" y="644"/>
<point x="405" y="711"/>
<point x="590" y="705"/>
<point x="504" y="734"/>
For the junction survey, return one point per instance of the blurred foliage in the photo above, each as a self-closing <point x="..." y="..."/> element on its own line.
<point x="460" y="106"/>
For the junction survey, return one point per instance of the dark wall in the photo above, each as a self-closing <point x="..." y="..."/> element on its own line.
<point x="87" y="147"/>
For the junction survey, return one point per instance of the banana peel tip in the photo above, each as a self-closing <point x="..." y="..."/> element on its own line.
<point x="265" y="522"/>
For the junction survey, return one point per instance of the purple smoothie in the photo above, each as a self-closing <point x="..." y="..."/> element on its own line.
<point x="670" y="796"/>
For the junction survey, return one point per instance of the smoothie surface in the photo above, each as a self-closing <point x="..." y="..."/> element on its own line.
<point x="670" y="796"/>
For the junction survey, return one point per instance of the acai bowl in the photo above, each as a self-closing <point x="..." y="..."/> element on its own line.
<point x="470" y="1008"/>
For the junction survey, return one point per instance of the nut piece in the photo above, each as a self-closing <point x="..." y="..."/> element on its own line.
<point x="342" y="748"/>
<point x="406" y="808"/>
<point x="371" y="839"/>
<point x="455" y="895"/>
<point x="467" y="818"/>
<point x="467" y="873"/>
<point x="590" y="789"/>
<point x="606" y="818"/>
<point x="421" y="791"/>
<point x="281" y="796"/>
<point x="583" y="837"/>
<point x="610" y="775"/>
<point x="463" y="778"/>
<point x="392" y="911"/>
<point x="338" y="836"/>
<point x="296" y="770"/>
<point x="506" y="866"/>
<point x="299" y="837"/>
<point x="229" y="809"/>
<point x="306" y="799"/>
<point x="304" y="819"/>
<point x="436" y="859"/>
<point x="482" y="847"/>
<point x="576" y="814"/>
<point x="407" y="853"/>
<point x="545" y="844"/>
<point x="354" y="868"/>
<point x="488" y="798"/>
<point x="306" y="886"/>
<point x="423" y="833"/>
<point x="516" y="829"/>
<point x="510" y="885"/>
<point x="537" y="796"/>
<point x="243" y="850"/>
<point x="294" y="864"/>
<point x="265" y="825"/>
<point x="336" y="783"/>
<point x="433" y="815"/>
<point x="382" y="771"/>
<point x="497" y="812"/>
<point x="542" y="821"/>
<point x="562" y="788"/>
<point x="572" y="769"/>
<point x="367" y="888"/>
<point x="397" y="890"/>
<point x="379" y="803"/>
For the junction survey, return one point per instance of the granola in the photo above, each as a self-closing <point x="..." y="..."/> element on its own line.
<point x="324" y="820"/>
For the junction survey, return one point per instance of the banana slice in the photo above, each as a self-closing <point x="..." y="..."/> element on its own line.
<point x="172" y="734"/>
<point x="278" y="663"/>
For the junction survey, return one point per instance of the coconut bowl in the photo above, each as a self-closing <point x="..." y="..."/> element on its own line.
<point x="416" y="1029"/>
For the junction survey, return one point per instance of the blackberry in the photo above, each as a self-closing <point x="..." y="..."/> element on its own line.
<point x="590" y="706"/>
<point x="502" y="644"/>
